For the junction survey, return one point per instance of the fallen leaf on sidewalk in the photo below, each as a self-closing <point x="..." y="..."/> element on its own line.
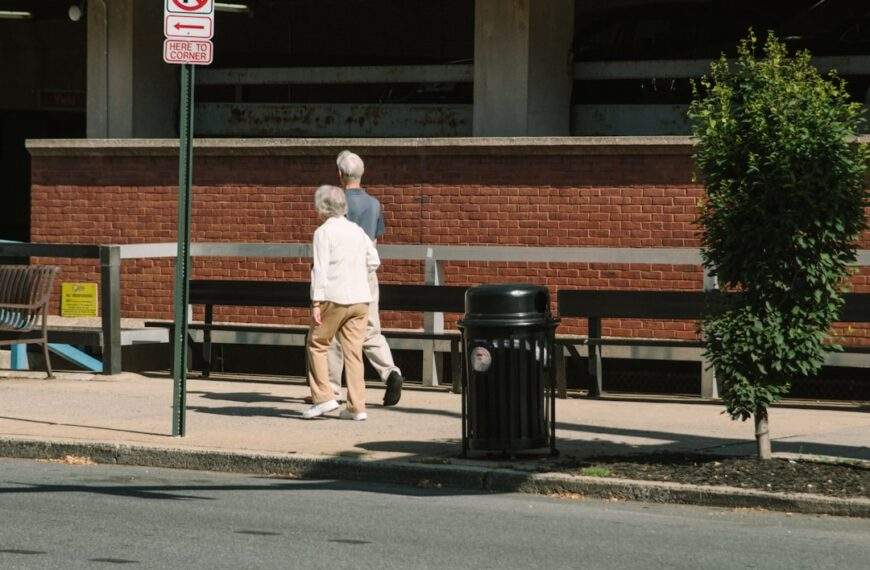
<point x="570" y="496"/>
<point x="283" y="476"/>
<point x="72" y="460"/>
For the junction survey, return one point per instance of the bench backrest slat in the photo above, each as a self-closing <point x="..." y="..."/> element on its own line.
<point x="678" y="305"/>
<point x="249" y="293"/>
<point x="631" y="304"/>
<point x="435" y="298"/>
<point x="24" y="285"/>
<point x="423" y="298"/>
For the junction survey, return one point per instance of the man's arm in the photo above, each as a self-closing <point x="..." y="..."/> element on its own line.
<point x="381" y="228"/>
<point x="373" y="260"/>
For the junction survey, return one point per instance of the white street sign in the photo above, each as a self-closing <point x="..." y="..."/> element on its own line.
<point x="189" y="7"/>
<point x="188" y="27"/>
<point x="196" y="52"/>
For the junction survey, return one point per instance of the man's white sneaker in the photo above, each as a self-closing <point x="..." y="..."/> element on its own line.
<point x="319" y="409"/>
<point x="348" y="415"/>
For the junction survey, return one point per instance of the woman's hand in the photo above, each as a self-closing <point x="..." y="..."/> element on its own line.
<point x="315" y="316"/>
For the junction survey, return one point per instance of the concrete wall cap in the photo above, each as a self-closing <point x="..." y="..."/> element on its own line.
<point x="672" y="145"/>
<point x="455" y="146"/>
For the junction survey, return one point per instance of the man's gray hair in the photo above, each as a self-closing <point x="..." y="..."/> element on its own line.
<point x="329" y="201"/>
<point x="341" y="156"/>
<point x="350" y="165"/>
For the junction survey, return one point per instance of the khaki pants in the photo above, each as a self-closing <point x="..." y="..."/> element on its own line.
<point x="374" y="346"/>
<point x="347" y="324"/>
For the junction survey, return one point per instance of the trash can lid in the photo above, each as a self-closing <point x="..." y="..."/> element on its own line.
<point x="508" y="303"/>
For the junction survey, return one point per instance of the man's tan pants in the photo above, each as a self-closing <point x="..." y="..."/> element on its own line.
<point x="347" y="323"/>
<point x="375" y="345"/>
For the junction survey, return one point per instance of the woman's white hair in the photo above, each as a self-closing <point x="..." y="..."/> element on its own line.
<point x="350" y="166"/>
<point x="329" y="201"/>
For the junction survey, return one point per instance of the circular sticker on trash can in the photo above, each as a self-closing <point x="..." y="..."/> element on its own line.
<point x="481" y="359"/>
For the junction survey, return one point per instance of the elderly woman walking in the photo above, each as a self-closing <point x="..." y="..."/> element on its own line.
<point x="343" y="257"/>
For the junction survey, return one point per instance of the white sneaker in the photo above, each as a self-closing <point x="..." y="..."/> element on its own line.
<point x="319" y="409"/>
<point x="348" y="415"/>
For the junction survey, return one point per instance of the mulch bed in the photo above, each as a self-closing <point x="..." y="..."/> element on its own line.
<point x="778" y="475"/>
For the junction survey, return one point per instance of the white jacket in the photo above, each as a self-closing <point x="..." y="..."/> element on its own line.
<point x="343" y="257"/>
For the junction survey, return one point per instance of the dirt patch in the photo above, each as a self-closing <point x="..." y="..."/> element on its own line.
<point x="778" y="475"/>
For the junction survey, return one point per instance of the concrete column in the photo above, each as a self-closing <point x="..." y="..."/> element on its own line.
<point x="523" y="72"/>
<point x="97" y="80"/>
<point x="131" y="92"/>
<point x="156" y="83"/>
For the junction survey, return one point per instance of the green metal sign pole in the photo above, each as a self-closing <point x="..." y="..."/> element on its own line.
<point x="181" y="291"/>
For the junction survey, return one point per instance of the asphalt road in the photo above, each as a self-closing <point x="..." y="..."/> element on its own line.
<point x="88" y="516"/>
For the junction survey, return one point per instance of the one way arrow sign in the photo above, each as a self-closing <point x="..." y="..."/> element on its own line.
<point x="188" y="27"/>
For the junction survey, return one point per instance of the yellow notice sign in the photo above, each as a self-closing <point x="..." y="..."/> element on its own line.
<point x="78" y="300"/>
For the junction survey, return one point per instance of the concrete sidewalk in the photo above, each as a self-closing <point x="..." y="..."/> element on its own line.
<point x="259" y="417"/>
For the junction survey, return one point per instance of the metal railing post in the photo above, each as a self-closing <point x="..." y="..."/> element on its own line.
<point x="110" y="307"/>
<point x="709" y="387"/>
<point x="596" y="367"/>
<point x="456" y="364"/>
<point x="432" y="323"/>
<point x="561" y="361"/>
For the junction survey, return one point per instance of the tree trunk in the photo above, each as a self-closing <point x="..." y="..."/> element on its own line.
<point x="762" y="434"/>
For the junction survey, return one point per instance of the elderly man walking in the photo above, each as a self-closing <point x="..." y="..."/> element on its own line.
<point x="365" y="210"/>
<point x="344" y="257"/>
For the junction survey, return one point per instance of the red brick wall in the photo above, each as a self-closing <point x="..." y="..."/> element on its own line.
<point x="618" y="199"/>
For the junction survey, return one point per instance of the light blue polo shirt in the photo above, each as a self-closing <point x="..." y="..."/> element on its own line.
<point x="365" y="211"/>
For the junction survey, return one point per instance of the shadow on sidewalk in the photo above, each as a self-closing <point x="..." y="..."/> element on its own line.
<point x="423" y="451"/>
<point x="417" y="451"/>
<point x="48" y="423"/>
<point x="684" y="442"/>
<point x="245" y="397"/>
<point x="668" y="441"/>
<point x="274" y="412"/>
<point x="248" y="411"/>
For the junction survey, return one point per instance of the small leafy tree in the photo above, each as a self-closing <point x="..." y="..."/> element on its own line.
<point x="784" y="205"/>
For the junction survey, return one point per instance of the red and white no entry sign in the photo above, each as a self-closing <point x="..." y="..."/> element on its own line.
<point x="190" y="6"/>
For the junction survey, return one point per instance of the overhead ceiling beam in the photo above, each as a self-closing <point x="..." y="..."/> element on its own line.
<point x="462" y="73"/>
<point x="681" y="68"/>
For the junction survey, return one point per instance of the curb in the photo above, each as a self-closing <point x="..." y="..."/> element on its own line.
<point x="473" y="478"/>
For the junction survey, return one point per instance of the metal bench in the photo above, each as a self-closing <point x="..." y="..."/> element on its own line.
<point x="677" y="305"/>
<point x="294" y="294"/>
<point x="25" y="291"/>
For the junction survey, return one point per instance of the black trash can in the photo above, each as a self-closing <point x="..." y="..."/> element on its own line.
<point x="508" y="375"/>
